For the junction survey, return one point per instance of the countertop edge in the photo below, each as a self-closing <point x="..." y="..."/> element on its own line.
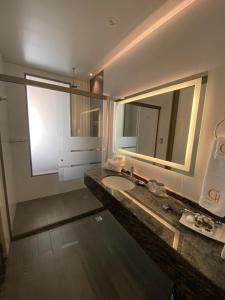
<point x="188" y="279"/>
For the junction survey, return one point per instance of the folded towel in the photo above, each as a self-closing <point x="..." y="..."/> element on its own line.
<point x="111" y="168"/>
<point x="115" y="164"/>
<point x="220" y="148"/>
<point x="119" y="158"/>
<point x="213" y="191"/>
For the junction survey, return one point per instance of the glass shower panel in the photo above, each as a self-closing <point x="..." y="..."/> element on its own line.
<point x="81" y="141"/>
<point x="86" y="116"/>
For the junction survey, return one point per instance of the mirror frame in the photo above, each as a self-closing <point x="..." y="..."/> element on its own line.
<point x="196" y="83"/>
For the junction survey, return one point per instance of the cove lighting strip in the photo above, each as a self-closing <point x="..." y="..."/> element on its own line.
<point x="158" y="218"/>
<point x="152" y="28"/>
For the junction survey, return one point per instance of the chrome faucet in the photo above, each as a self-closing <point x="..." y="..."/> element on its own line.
<point x="128" y="173"/>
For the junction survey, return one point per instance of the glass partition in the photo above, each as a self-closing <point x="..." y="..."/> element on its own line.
<point x="86" y="116"/>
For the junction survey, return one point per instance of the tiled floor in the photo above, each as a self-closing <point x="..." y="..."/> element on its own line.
<point x="91" y="259"/>
<point x="39" y="213"/>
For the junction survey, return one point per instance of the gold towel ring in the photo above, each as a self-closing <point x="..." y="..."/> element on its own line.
<point x="217" y="126"/>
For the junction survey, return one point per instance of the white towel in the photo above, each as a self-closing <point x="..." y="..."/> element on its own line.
<point x="119" y="158"/>
<point x="115" y="164"/>
<point x="213" y="191"/>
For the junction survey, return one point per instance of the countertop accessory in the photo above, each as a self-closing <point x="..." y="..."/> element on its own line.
<point x="203" y="225"/>
<point x="166" y="207"/>
<point x="157" y="188"/>
<point x="171" y="208"/>
<point x="152" y="185"/>
<point x="223" y="252"/>
<point x="140" y="182"/>
<point x="161" y="190"/>
<point x="131" y="171"/>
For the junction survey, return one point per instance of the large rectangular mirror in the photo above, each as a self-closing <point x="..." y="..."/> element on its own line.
<point x="160" y="125"/>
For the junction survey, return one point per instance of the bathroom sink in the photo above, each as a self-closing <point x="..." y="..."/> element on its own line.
<point x="118" y="183"/>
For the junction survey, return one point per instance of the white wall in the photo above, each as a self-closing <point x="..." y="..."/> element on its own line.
<point x="182" y="125"/>
<point x="147" y="130"/>
<point x="28" y="187"/>
<point x="122" y="141"/>
<point x="188" y="44"/>
<point x="165" y="101"/>
<point x="7" y="158"/>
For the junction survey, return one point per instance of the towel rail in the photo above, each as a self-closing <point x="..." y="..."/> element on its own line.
<point x="18" y="141"/>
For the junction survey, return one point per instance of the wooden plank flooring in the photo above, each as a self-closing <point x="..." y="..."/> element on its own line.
<point x="39" y="213"/>
<point x="90" y="259"/>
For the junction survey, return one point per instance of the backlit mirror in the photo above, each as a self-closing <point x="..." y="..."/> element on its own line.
<point x="160" y="125"/>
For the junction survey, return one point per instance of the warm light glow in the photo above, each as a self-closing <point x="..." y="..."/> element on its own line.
<point x="36" y="127"/>
<point x="153" y="27"/>
<point x="194" y="112"/>
<point x="91" y="74"/>
<point x="157" y="217"/>
<point x="90" y="111"/>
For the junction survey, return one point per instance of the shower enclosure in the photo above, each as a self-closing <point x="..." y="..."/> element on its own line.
<point x="66" y="130"/>
<point x="56" y="133"/>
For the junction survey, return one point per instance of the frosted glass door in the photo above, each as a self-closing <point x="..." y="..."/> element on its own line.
<point x="43" y="116"/>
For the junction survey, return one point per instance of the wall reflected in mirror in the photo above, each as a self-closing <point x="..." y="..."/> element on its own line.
<point x="160" y="124"/>
<point x="86" y="116"/>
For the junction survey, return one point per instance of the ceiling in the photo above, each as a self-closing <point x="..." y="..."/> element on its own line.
<point x="56" y="35"/>
<point x="190" y="43"/>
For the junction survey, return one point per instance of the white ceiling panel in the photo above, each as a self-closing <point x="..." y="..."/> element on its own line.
<point x="56" y="35"/>
<point x="190" y="43"/>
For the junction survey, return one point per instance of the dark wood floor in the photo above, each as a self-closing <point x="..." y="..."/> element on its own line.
<point x="93" y="258"/>
<point x="39" y="213"/>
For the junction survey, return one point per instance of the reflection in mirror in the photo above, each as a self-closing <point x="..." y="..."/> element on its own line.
<point x="86" y="116"/>
<point x="160" y="124"/>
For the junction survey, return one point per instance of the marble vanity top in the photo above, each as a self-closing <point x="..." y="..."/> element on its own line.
<point x="180" y="251"/>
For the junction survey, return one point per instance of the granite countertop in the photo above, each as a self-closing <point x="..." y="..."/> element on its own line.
<point x="199" y="252"/>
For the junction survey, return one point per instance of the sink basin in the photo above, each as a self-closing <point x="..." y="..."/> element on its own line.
<point x="118" y="183"/>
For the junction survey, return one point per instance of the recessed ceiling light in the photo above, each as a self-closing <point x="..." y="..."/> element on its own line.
<point x="75" y="70"/>
<point x="91" y="74"/>
<point x="112" y="22"/>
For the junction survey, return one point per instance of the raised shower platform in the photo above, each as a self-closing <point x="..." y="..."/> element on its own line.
<point x="45" y="213"/>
